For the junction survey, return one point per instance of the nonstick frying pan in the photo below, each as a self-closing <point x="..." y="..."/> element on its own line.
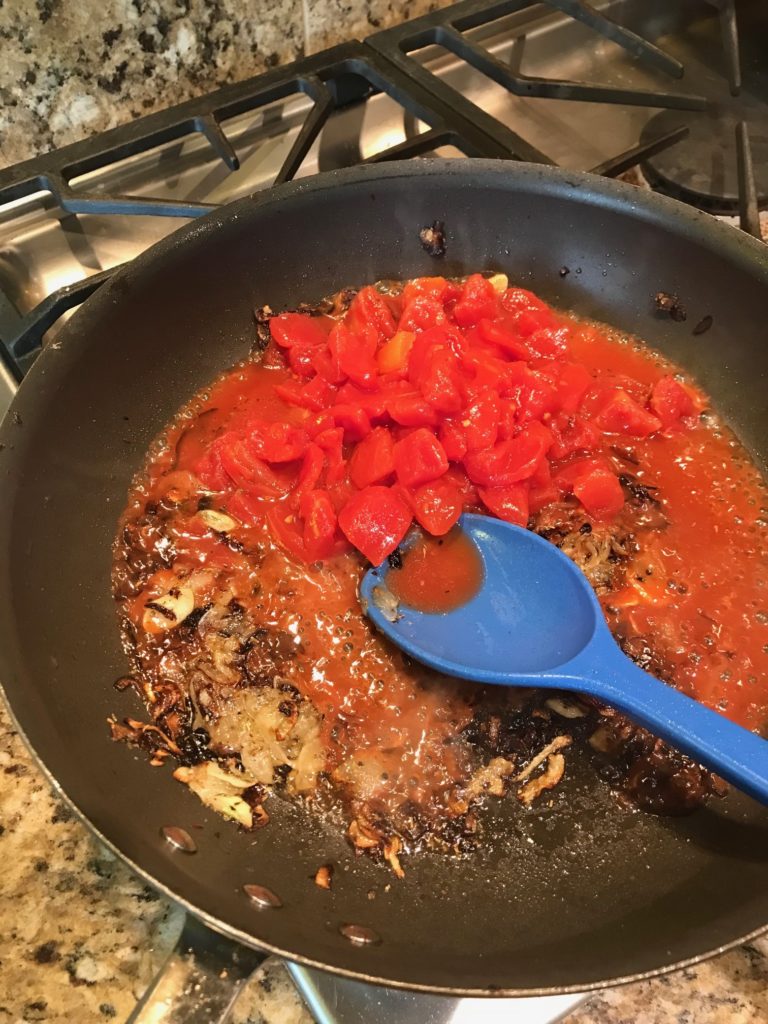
<point x="588" y="896"/>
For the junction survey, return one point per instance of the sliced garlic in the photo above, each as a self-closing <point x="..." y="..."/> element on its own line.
<point x="169" y="610"/>
<point x="218" y="521"/>
<point x="500" y="282"/>
<point x="565" y="708"/>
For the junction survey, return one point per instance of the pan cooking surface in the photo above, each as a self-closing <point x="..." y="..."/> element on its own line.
<point x="571" y="900"/>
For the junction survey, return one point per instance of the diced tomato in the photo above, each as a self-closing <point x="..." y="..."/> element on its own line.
<point x="316" y="395"/>
<point x="437" y="506"/>
<point x="354" y="353"/>
<point x="541" y="488"/>
<point x="287" y="530"/>
<point x="509" y="503"/>
<point x="439" y="380"/>
<point x="507" y="423"/>
<point x="301" y="359"/>
<point x="549" y="342"/>
<point x="445" y="397"/>
<point x="319" y="532"/>
<point x="369" y="308"/>
<point x="276" y="442"/>
<point x="671" y="402"/>
<point x="529" y="312"/>
<point x="327" y="366"/>
<point x="419" y="458"/>
<point x="332" y="443"/>
<point x="509" y="461"/>
<point x="299" y="329"/>
<point x="572" y="383"/>
<point x="599" y="491"/>
<point x="210" y="470"/>
<point x="246" y="470"/>
<point x="453" y="438"/>
<point x="572" y="434"/>
<point x="478" y="300"/>
<point x="392" y="357"/>
<point x="617" y="413"/>
<point x="480" y="420"/>
<point x="433" y="287"/>
<point x="533" y="395"/>
<point x="354" y="421"/>
<point x="311" y="470"/>
<point x="503" y="334"/>
<point x="412" y="411"/>
<point x="372" y="461"/>
<point x="247" y="508"/>
<point x="422" y="313"/>
<point x="565" y="476"/>
<point x="374" y="521"/>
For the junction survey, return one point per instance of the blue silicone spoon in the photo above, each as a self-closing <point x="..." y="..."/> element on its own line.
<point x="536" y="622"/>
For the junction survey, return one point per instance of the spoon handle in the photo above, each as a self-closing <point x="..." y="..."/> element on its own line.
<point x="739" y="756"/>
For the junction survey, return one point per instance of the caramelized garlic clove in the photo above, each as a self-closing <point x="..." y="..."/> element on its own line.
<point x="169" y="610"/>
<point x="218" y="521"/>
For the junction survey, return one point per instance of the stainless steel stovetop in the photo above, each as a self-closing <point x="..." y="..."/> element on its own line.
<point x="60" y="229"/>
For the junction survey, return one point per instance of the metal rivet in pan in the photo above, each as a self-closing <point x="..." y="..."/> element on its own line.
<point x="262" y="896"/>
<point x="178" y="838"/>
<point x="359" y="935"/>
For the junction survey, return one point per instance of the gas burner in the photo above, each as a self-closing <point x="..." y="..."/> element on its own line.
<point x="706" y="168"/>
<point x="703" y="169"/>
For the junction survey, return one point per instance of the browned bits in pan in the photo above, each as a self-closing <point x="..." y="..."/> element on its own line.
<point x="669" y="303"/>
<point x="324" y="876"/>
<point x="433" y="238"/>
<point x="703" y="325"/>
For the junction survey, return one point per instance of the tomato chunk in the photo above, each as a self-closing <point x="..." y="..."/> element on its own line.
<point x="374" y="521"/>
<point x="437" y="506"/>
<point x="319" y="532"/>
<point x="290" y="329"/>
<point x="509" y="461"/>
<point x="372" y="461"/>
<point x="276" y="442"/>
<point x="509" y="503"/>
<point x="419" y="458"/>
<point x="599" y="491"/>
<point x="353" y="353"/>
<point x="478" y="301"/>
<point x="369" y="309"/>
<point x="670" y="401"/>
<point x="618" y="413"/>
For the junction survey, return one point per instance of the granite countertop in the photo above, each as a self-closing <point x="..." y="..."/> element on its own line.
<point x="80" y="935"/>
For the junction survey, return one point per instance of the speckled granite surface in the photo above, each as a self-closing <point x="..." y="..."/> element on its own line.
<point x="70" y="68"/>
<point x="80" y="935"/>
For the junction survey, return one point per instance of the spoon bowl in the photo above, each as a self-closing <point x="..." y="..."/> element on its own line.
<point x="536" y="621"/>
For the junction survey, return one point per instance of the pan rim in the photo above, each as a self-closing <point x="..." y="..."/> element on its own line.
<point x="733" y="245"/>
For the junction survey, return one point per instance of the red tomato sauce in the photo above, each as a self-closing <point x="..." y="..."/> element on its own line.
<point x="459" y="396"/>
<point x="437" y="574"/>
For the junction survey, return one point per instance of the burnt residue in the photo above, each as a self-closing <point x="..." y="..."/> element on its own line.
<point x="669" y="304"/>
<point x="395" y="560"/>
<point x="703" y="325"/>
<point x="261" y="316"/>
<point x="432" y="239"/>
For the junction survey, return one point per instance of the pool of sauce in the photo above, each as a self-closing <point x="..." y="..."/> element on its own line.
<point x="437" y="574"/>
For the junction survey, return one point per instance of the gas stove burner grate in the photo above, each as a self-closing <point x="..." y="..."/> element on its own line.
<point x="449" y="29"/>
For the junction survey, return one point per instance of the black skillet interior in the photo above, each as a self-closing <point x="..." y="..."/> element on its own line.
<point x="571" y="897"/>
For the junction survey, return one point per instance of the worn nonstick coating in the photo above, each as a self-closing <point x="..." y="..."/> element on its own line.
<point x="580" y="896"/>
